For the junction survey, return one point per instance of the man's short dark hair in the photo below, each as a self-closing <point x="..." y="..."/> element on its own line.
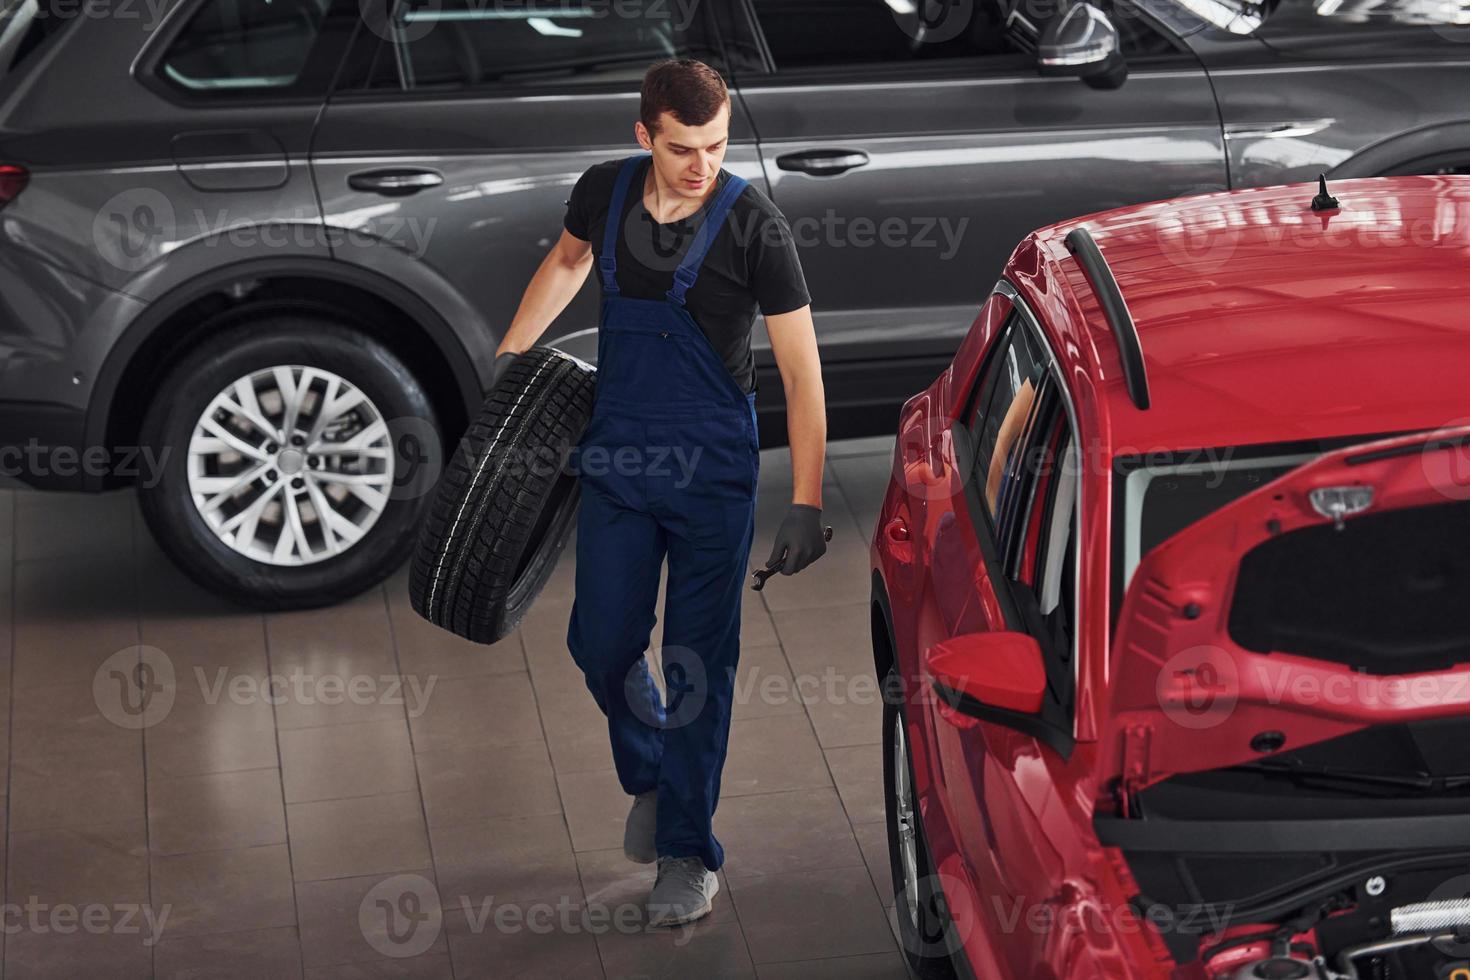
<point x="690" y="90"/>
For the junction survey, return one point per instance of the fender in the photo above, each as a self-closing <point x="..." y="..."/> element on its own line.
<point x="468" y="351"/>
<point x="1403" y="148"/>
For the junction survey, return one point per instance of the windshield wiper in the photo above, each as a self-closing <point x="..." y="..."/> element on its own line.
<point x="1415" y="780"/>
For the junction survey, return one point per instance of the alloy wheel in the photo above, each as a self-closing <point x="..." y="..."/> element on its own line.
<point x="291" y="465"/>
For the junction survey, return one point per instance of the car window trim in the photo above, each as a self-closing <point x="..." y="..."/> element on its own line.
<point x="1030" y="322"/>
<point x="351" y="91"/>
<point x="145" y="68"/>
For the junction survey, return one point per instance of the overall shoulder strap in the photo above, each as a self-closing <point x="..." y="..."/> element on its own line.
<point x="608" y="261"/>
<point x="688" y="270"/>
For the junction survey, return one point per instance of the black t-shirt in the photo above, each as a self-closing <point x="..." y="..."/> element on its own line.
<point x="751" y="266"/>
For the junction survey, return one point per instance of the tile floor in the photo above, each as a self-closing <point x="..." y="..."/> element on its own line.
<point x="351" y="793"/>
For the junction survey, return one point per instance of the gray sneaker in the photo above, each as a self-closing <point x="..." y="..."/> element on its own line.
<point x="683" y="892"/>
<point x="638" y="831"/>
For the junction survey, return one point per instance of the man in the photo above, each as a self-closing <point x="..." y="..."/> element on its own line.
<point x="676" y="382"/>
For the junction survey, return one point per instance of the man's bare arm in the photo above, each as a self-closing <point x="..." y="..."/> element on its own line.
<point x="558" y="279"/>
<point x="794" y="342"/>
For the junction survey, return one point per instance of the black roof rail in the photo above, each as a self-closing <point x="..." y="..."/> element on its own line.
<point x="1110" y="298"/>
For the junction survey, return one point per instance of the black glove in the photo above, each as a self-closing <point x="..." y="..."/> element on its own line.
<point x="799" y="539"/>
<point x="502" y="362"/>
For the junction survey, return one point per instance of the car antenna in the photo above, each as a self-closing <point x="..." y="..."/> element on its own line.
<point x="1095" y="268"/>
<point x="1323" y="201"/>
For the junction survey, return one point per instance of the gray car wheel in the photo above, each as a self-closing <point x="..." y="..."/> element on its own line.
<point x="287" y="480"/>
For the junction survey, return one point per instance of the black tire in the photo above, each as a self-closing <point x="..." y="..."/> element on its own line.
<point x="927" y="933"/>
<point x="394" y="398"/>
<point x="507" y="502"/>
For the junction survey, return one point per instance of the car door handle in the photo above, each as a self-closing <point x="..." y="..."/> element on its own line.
<point x="394" y="183"/>
<point x="822" y="163"/>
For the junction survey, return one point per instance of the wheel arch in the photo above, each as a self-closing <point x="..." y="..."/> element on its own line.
<point x="1449" y="140"/>
<point x="881" y="618"/>
<point x="178" y="322"/>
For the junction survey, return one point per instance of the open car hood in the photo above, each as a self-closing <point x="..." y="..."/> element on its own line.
<point x="1186" y="696"/>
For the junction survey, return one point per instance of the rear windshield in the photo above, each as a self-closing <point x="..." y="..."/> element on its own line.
<point x="24" y="30"/>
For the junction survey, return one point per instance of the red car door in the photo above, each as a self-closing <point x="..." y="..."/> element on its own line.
<point x="1000" y="558"/>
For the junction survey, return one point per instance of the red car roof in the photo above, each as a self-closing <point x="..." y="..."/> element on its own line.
<point x="1265" y="322"/>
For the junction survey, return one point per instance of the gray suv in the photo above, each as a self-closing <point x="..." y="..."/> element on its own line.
<point x="256" y="255"/>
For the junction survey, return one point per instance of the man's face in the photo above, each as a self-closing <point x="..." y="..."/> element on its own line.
<point x="687" y="158"/>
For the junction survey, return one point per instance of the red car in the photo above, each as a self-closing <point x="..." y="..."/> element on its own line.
<point x="1171" y="596"/>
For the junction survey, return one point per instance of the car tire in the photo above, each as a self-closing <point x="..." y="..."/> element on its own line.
<point x="925" y="930"/>
<point x="507" y="501"/>
<point x="355" y="402"/>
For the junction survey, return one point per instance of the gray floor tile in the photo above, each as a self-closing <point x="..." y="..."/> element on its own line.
<point x="364" y="835"/>
<point x="873" y="839"/>
<point x="768" y="755"/>
<point x="474" y="784"/>
<point x="858" y="772"/>
<point x="773" y="833"/>
<point x="75" y="792"/>
<point x="702" y="949"/>
<point x="106" y="864"/>
<point x="596" y="808"/>
<point x="216" y="811"/>
<point x="225" y="891"/>
<point x="429" y="966"/>
<point x="872" y="966"/>
<point x="811" y="915"/>
<point x="484" y="711"/>
<point x="525" y="860"/>
<point x="365" y="920"/>
<point x="516" y="949"/>
<point x="347" y="760"/>
<point x="273" y="953"/>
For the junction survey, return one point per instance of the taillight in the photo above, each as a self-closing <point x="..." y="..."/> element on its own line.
<point x="13" y="180"/>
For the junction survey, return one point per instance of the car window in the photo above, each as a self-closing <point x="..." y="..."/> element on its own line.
<point x="829" y="33"/>
<point x="469" y="43"/>
<point x="24" y="29"/>
<point x="1007" y="394"/>
<point x="245" y="45"/>
<point x="837" y="33"/>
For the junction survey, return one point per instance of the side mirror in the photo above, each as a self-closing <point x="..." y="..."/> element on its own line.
<point x="1082" y="42"/>
<point x="988" y="675"/>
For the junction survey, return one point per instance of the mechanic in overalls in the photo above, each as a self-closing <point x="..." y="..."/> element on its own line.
<point x="688" y="255"/>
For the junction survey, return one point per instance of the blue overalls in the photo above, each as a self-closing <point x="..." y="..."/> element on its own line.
<point x="668" y="465"/>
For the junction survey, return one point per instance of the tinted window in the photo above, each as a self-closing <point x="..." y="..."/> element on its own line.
<point x="457" y="43"/>
<point x="828" y="33"/>
<point x="24" y="28"/>
<point x="272" y="47"/>
<point x="1006" y="398"/>
<point x="809" y="33"/>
